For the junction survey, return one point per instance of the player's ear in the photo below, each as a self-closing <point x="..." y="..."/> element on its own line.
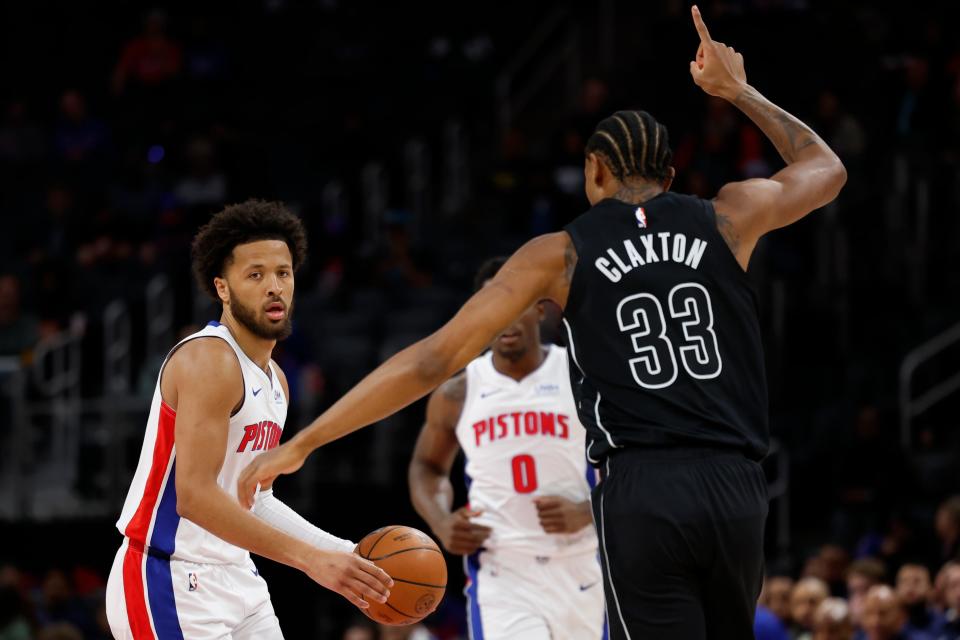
<point x="223" y="291"/>
<point x="593" y="169"/>
<point x="541" y="311"/>
<point x="671" y="174"/>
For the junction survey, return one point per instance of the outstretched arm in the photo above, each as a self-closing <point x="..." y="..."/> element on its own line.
<point x="539" y="269"/>
<point x="429" y="475"/>
<point x="812" y="178"/>
<point x="203" y="383"/>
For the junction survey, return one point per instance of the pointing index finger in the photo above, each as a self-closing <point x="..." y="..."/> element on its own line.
<point x="699" y="24"/>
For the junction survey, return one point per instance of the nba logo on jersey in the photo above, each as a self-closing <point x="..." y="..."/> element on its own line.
<point x="641" y="218"/>
<point x="192" y="581"/>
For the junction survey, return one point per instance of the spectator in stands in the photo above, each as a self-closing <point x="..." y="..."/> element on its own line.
<point x="19" y="330"/>
<point x="951" y="601"/>
<point x="861" y="576"/>
<point x="885" y="617"/>
<point x="150" y="59"/>
<point x="947" y="526"/>
<point x="205" y="183"/>
<point x="767" y="626"/>
<point x="938" y="594"/>
<point x="804" y="600"/>
<point x="913" y="588"/>
<point x="79" y="137"/>
<point x="835" y="560"/>
<point x="831" y="621"/>
<point x="775" y="596"/>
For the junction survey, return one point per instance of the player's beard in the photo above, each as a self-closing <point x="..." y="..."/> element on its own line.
<point x="261" y="326"/>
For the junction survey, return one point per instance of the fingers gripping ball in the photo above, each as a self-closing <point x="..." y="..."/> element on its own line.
<point x="418" y="570"/>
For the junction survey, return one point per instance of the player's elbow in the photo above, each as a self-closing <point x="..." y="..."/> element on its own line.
<point x="835" y="176"/>
<point x="188" y="499"/>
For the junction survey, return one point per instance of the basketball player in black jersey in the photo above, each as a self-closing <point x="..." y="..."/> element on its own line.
<point x="666" y="360"/>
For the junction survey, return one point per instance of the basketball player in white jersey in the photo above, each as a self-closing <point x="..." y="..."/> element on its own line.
<point x="184" y="570"/>
<point x="527" y="532"/>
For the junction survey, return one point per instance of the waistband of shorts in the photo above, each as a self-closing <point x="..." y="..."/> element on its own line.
<point x="139" y="547"/>
<point x="673" y="453"/>
<point x="513" y="556"/>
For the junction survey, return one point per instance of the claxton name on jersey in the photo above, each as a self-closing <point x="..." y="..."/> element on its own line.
<point x="522" y="423"/>
<point x="662" y="247"/>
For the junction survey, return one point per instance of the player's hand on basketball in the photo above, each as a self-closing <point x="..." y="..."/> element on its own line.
<point x="459" y="535"/>
<point x="355" y="578"/>
<point x="560" y="515"/>
<point x="262" y="471"/>
<point x="718" y="69"/>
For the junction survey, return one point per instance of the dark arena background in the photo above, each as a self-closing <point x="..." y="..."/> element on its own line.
<point x="415" y="140"/>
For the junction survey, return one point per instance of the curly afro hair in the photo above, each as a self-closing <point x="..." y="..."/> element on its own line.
<point x="238" y="224"/>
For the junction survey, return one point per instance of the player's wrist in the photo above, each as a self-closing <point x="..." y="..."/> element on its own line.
<point x="732" y="92"/>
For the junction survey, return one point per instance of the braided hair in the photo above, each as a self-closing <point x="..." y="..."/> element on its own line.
<point x="634" y="145"/>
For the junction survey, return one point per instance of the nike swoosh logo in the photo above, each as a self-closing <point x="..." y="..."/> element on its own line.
<point x="256" y="391"/>
<point x="489" y="393"/>
<point x="584" y="587"/>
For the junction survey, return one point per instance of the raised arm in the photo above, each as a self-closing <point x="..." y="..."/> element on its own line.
<point x="429" y="474"/>
<point x="812" y="178"/>
<point x="539" y="269"/>
<point x="203" y="383"/>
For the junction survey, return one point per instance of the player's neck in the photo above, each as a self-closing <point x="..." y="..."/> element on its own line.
<point x="636" y="193"/>
<point x="522" y="367"/>
<point x="256" y="348"/>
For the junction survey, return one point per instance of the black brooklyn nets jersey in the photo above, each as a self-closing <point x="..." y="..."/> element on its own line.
<point x="663" y="330"/>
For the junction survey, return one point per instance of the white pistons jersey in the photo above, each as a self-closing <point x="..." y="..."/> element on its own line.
<point x="523" y="439"/>
<point x="149" y="518"/>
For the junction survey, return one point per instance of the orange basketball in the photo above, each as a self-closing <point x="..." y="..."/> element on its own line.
<point x="417" y="567"/>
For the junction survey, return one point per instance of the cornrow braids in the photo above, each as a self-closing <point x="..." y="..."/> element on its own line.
<point x="634" y="144"/>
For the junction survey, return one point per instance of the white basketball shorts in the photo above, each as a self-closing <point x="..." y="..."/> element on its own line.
<point x="150" y="597"/>
<point x="513" y="596"/>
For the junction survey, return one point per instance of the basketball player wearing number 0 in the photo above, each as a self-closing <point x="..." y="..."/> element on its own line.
<point x="527" y="535"/>
<point x="667" y="362"/>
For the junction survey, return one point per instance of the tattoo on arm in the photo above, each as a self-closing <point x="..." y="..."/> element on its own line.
<point x="788" y="134"/>
<point x="569" y="260"/>
<point x="455" y="389"/>
<point x="728" y="231"/>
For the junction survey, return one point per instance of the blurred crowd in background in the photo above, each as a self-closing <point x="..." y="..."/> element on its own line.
<point x="123" y="130"/>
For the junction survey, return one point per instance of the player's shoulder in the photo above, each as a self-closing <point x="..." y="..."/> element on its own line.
<point x="454" y="390"/>
<point x="206" y="358"/>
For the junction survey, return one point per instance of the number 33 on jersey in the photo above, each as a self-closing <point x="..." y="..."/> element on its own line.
<point x="664" y="320"/>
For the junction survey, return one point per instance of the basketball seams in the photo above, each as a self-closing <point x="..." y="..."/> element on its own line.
<point x="420" y="584"/>
<point x="382" y="536"/>
<point x="404" y="613"/>
<point x="396" y="553"/>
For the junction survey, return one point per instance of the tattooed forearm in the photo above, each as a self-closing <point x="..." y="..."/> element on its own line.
<point x="788" y="134"/>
